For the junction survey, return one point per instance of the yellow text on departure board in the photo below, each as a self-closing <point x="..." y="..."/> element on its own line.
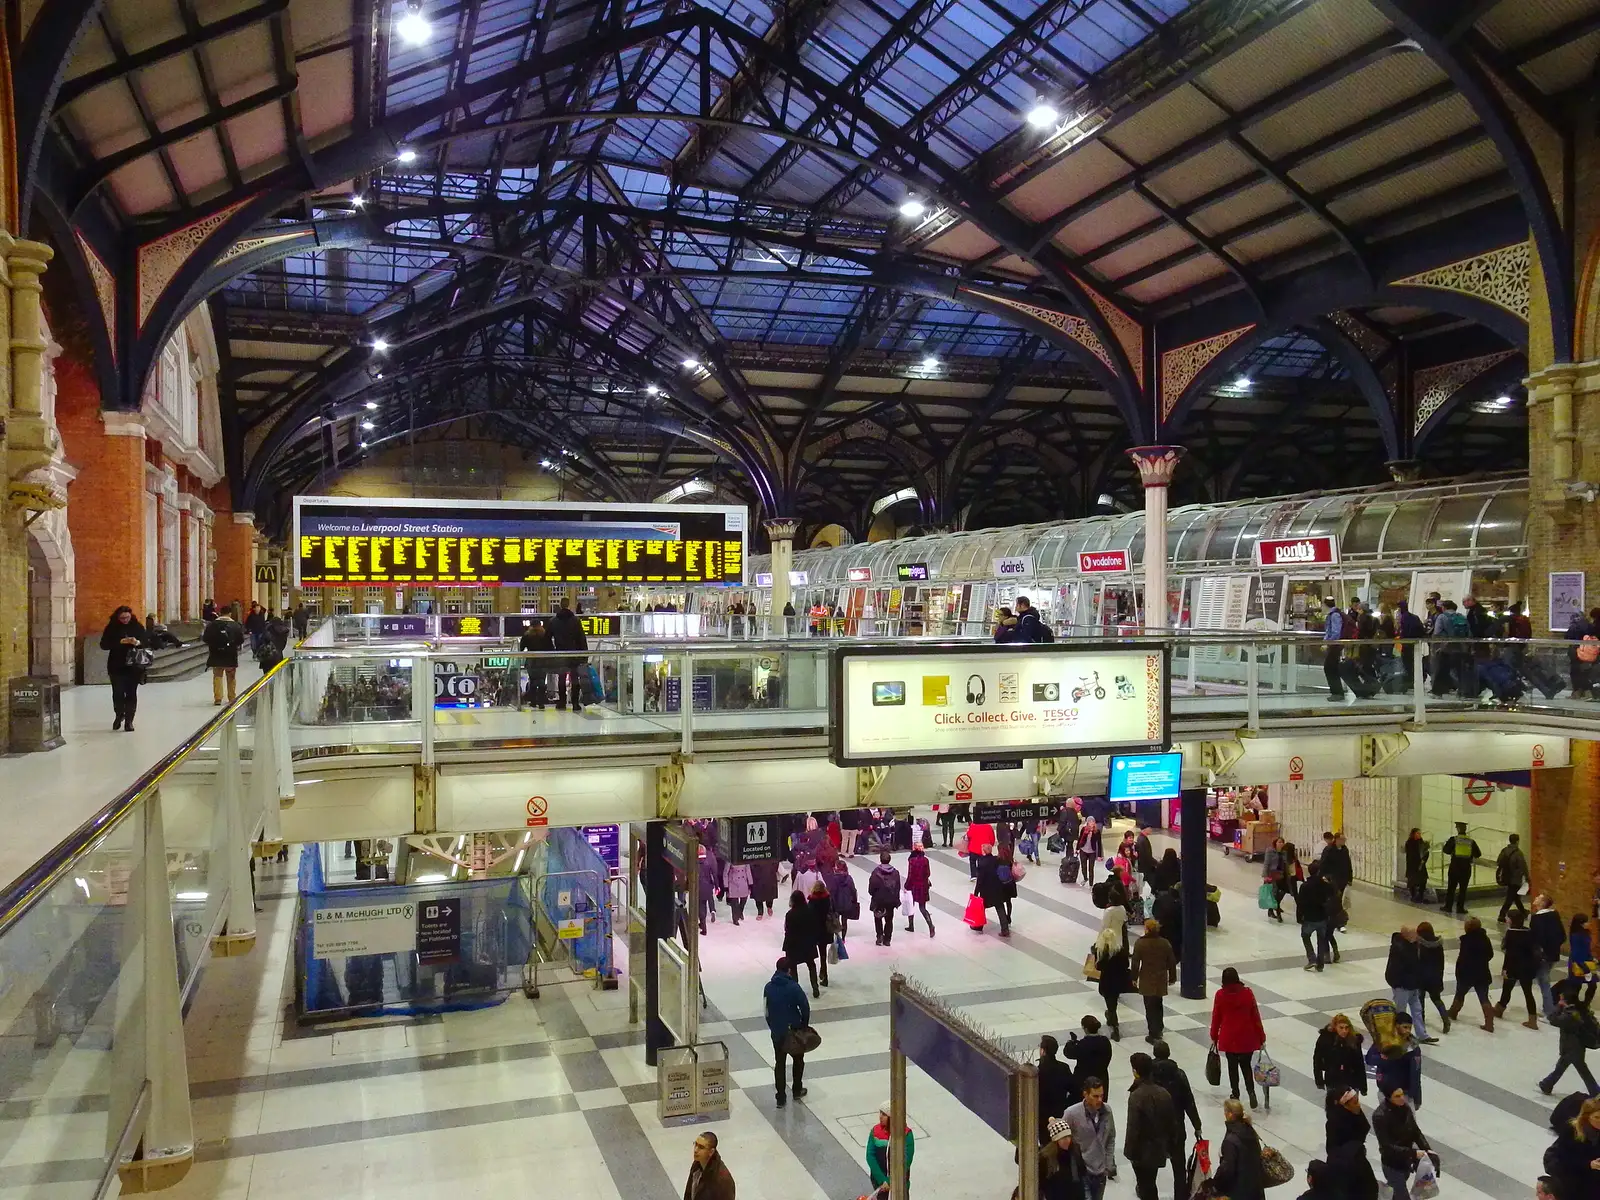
<point x="358" y="558"/>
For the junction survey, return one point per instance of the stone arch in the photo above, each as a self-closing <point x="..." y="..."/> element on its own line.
<point x="52" y="586"/>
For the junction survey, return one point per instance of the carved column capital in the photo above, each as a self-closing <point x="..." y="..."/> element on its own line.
<point x="1157" y="464"/>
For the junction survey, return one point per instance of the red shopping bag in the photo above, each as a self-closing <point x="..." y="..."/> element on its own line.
<point x="975" y="916"/>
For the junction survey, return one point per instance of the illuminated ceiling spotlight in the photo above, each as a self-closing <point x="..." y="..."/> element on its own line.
<point x="1242" y="384"/>
<point x="1043" y="115"/>
<point x="368" y="425"/>
<point x="652" y="390"/>
<point x="407" y="155"/>
<point x="363" y="445"/>
<point x="371" y="404"/>
<point x="546" y="463"/>
<point x="911" y="208"/>
<point x="379" y="346"/>
<point x="358" y="201"/>
<point x="930" y="362"/>
<point x="413" y="27"/>
<point x="691" y="364"/>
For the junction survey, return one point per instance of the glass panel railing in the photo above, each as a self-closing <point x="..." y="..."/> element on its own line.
<point x="103" y="938"/>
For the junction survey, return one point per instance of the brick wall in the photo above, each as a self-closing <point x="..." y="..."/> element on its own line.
<point x="105" y="503"/>
<point x="1565" y="823"/>
<point x="236" y="559"/>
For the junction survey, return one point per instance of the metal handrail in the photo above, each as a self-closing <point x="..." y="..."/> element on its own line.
<point x="19" y="897"/>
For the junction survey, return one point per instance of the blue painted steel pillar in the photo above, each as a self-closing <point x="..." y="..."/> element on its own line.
<point x="1192" y="849"/>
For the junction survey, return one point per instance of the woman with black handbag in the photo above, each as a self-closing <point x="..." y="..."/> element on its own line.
<point x="127" y="647"/>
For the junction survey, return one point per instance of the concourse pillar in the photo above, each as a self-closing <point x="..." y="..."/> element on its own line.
<point x="1157" y="465"/>
<point x="780" y="533"/>
<point x="1564" y="822"/>
<point x="1192" y="893"/>
<point x="660" y="922"/>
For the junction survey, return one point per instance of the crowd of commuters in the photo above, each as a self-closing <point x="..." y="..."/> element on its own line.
<point x="1369" y="1075"/>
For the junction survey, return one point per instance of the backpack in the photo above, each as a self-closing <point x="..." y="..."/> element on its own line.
<point x="1046" y="634"/>
<point x="1100" y="894"/>
<point x="1588" y="1030"/>
<point x="1453" y="624"/>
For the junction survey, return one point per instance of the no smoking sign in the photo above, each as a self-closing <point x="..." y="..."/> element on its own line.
<point x="538" y="812"/>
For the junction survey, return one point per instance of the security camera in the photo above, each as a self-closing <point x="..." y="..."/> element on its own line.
<point x="1580" y="489"/>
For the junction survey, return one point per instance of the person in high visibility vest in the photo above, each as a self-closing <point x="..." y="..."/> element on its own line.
<point x="1460" y="851"/>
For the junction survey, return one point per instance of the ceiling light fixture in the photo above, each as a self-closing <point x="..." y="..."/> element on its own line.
<point x="691" y="364"/>
<point x="379" y="345"/>
<point x="652" y="390"/>
<point x="371" y="404"/>
<point x="1504" y="401"/>
<point x="1242" y="383"/>
<point x="407" y="155"/>
<point x="911" y="208"/>
<point x="363" y="445"/>
<point x="413" y="28"/>
<point x="368" y="425"/>
<point x="546" y="463"/>
<point x="358" y="201"/>
<point x="930" y="363"/>
<point x="1042" y="115"/>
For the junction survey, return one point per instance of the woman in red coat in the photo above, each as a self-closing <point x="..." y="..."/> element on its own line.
<point x="919" y="882"/>
<point x="1236" y="1030"/>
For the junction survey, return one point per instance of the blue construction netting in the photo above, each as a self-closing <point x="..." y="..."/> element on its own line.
<point x="565" y="864"/>
<point x="496" y="927"/>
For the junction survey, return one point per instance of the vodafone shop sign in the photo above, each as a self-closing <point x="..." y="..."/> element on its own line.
<point x="1102" y="562"/>
<point x="1297" y="552"/>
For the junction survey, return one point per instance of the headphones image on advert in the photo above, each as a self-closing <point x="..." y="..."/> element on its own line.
<point x="975" y="689"/>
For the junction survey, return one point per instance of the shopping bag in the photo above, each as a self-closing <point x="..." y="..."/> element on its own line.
<point x="975" y="916"/>
<point x="1427" y="1177"/>
<point x="1199" y="1167"/>
<point x="907" y="910"/>
<point x="802" y="1039"/>
<point x="1029" y="846"/>
<point x="841" y="952"/>
<point x="1055" y="844"/>
<point x="1264" y="1070"/>
<point x="1213" y="1066"/>
<point x="1267" y="897"/>
<point x="961" y="843"/>
<point x="1091" y="967"/>
<point x="1018" y="871"/>
<point x="833" y="951"/>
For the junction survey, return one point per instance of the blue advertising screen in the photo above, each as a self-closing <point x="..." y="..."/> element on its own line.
<point x="1146" y="776"/>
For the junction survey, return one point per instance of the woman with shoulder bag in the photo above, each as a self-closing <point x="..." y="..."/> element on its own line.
<point x="127" y="655"/>
<point x="1239" y="1172"/>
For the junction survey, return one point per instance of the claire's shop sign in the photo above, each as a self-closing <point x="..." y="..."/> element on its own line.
<point x="1102" y="562"/>
<point x="1018" y="567"/>
<point x="1297" y="552"/>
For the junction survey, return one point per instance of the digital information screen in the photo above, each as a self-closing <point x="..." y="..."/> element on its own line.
<point x="1146" y="776"/>
<point x="340" y="540"/>
<point x="958" y="703"/>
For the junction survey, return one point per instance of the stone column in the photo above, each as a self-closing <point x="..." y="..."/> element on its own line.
<point x="1156" y="464"/>
<point x="780" y="532"/>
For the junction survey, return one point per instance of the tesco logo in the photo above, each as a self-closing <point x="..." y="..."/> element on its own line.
<point x="1092" y="562"/>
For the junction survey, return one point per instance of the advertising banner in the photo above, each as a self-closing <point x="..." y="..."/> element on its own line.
<point x="1566" y="598"/>
<point x="486" y="543"/>
<point x="363" y="929"/>
<point x="894" y="705"/>
<point x="911" y="572"/>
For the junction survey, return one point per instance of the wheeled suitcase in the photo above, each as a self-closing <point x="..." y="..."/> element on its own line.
<point x="1547" y="681"/>
<point x="1068" y="871"/>
<point x="1503" y="683"/>
<point x="1394" y="676"/>
<point x="1469" y="685"/>
<point x="1359" y="679"/>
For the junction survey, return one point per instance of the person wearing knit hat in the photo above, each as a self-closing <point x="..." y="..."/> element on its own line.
<point x="1059" y="1131"/>
<point x="1061" y="1174"/>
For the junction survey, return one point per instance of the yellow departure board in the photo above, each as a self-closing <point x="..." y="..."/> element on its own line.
<point x="489" y="560"/>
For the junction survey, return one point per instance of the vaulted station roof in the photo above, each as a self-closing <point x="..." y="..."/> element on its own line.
<point x="815" y="251"/>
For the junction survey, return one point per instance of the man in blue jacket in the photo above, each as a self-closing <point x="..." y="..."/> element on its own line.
<point x="787" y="1008"/>
<point x="1332" y="632"/>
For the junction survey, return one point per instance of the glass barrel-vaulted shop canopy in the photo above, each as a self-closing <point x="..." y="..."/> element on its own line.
<point x="1464" y="524"/>
<point x="341" y="540"/>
